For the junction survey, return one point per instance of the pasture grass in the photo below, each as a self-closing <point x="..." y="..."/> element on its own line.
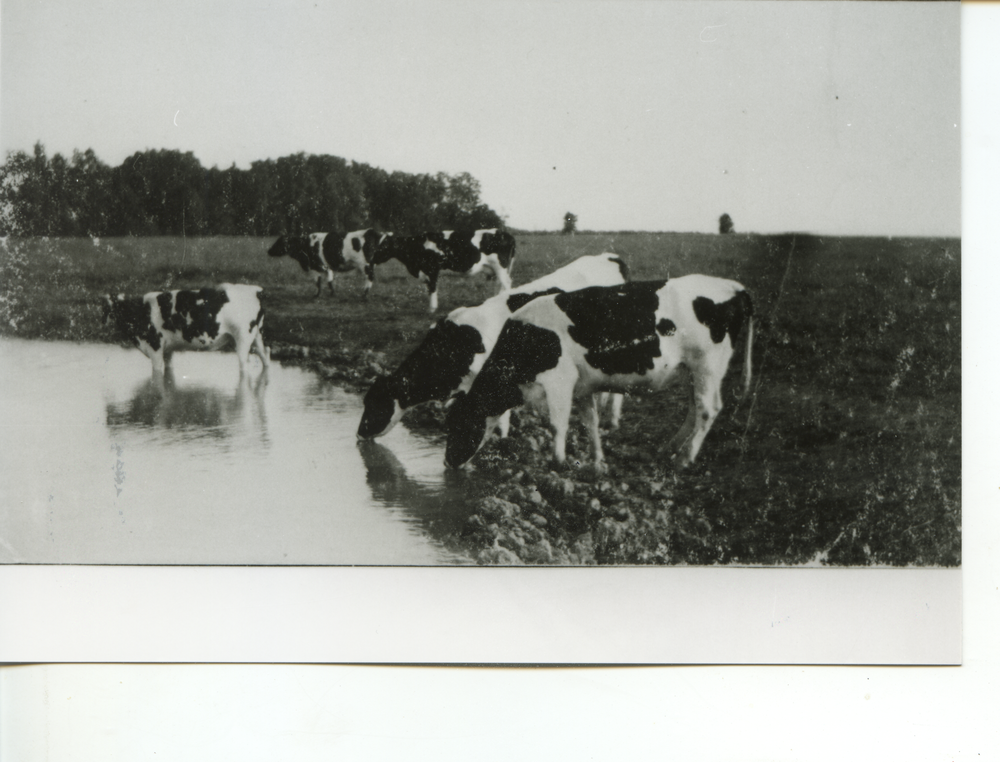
<point x="847" y="451"/>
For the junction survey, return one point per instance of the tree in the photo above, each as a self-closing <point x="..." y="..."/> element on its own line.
<point x="725" y="224"/>
<point x="14" y="213"/>
<point x="90" y="192"/>
<point x="569" y="223"/>
<point x="168" y="192"/>
<point x="266" y="216"/>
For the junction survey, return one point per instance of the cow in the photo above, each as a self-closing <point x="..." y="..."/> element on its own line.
<point x="456" y="347"/>
<point x="326" y="253"/>
<point x="612" y="338"/>
<point x="163" y="322"/>
<point x="466" y="252"/>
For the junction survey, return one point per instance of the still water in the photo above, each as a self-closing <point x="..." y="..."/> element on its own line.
<point x="101" y="464"/>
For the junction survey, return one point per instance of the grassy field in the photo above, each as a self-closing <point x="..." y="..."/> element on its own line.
<point x="848" y="452"/>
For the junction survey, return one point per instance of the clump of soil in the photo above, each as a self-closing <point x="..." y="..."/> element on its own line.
<point x="535" y="512"/>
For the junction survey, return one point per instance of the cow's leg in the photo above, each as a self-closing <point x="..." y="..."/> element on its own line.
<point x="707" y="404"/>
<point x="244" y="342"/>
<point x="684" y="432"/>
<point x="162" y="382"/>
<point x="558" y="388"/>
<point x="504" y="278"/>
<point x="169" y="380"/>
<point x="612" y="401"/>
<point x="168" y="358"/>
<point x="432" y="283"/>
<point x="617" y="400"/>
<point x="159" y="359"/>
<point x="319" y="285"/>
<point x="369" y="279"/>
<point x="591" y="419"/>
<point x="329" y="281"/>
<point x="504" y="424"/>
<point x="263" y="352"/>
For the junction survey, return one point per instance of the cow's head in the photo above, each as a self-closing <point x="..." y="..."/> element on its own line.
<point x="382" y="410"/>
<point x="279" y="248"/>
<point x="372" y="240"/>
<point x="467" y="429"/>
<point x="110" y="305"/>
<point x="386" y="248"/>
<point x="294" y="246"/>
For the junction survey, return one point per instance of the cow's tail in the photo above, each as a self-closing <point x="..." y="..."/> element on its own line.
<point x="507" y="250"/>
<point x="622" y="266"/>
<point x="748" y="350"/>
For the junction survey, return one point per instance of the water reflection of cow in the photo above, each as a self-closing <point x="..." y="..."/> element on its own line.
<point x="441" y="508"/>
<point x="160" y="403"/>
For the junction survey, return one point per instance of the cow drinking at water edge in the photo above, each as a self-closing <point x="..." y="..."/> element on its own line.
<point x="163" y="322"/>
<point x="452" y="353"/>
<point x="640" y="334"/>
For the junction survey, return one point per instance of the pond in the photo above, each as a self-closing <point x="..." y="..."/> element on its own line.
<point x="103" y="464"/>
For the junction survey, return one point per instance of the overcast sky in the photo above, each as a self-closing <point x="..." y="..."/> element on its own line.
<point x="830" y="117"/>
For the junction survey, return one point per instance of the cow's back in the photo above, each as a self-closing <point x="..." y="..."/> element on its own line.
<point x="605" y="269"/>
<point x="207" y="318"/>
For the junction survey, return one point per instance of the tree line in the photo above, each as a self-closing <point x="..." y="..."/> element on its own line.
<point x="169" y="192"/>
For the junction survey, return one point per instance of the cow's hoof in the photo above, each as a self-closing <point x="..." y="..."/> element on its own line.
<point x="590" y="471"/>
<point x="679" y="462"/>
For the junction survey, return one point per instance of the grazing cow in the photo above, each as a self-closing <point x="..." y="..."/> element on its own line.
<point x="467" y="252"/>
<point x="326" y="253"/>
<point x="163" y="322"/>
<point x="456" y="348"/>
<point x="612" y="338"/>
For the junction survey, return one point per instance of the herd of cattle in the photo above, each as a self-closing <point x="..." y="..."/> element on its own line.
<point x="583" y="332"/>
<point x="424" y="256"/>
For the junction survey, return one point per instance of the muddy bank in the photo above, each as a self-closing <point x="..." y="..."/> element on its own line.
<point x="524" y="510"/>
<point x="535" y="512"/>
<point x="531" y="511"/>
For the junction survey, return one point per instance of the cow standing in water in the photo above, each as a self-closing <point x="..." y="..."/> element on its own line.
<point x="456" y="347"/>
<point x="326" y="253"/>
<point x="640" y="334"/>
<point x="465" y="252"/>
<point x="163" y="322"/>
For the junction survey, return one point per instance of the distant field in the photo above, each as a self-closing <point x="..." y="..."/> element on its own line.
<point x="848" y="452"/>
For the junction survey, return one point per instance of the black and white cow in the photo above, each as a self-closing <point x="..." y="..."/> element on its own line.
<point x="466" y="252"/>
<point x="326" y="253"/>
<point x="640" y="334"/>
<point x="163" y="322"/>
<point x="452" y="353"/>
